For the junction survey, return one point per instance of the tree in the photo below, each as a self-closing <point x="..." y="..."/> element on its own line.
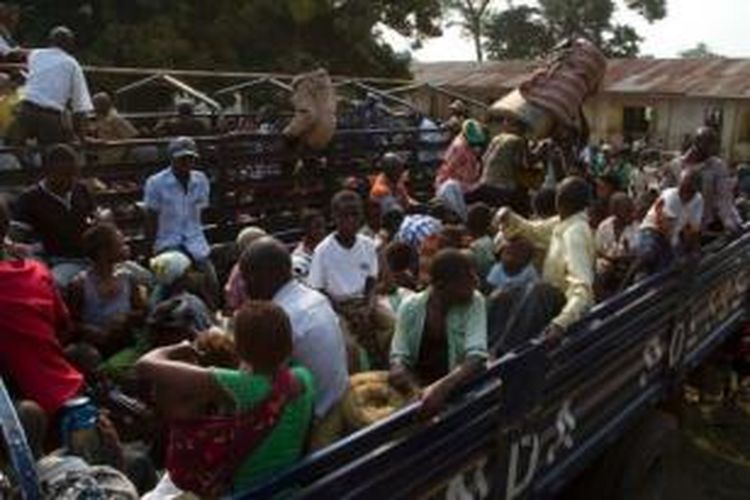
<point x="519" y="33"/>
<point x="622" y="41"/>
<point x="473" y="14"/>
<point x="562" y="19"/>
<point x="262" y="35"/>
<point x="700" y="51"/>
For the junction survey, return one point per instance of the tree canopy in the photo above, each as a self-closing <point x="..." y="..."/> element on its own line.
<point x="518" y="33"/>
<point x="272" y="35"/>
<point x="524" y="31"/>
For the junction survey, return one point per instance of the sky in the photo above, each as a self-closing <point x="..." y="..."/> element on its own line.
<point x="719" y="23"/>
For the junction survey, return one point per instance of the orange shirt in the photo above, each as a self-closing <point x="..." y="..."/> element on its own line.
<point x="382" y="189"/>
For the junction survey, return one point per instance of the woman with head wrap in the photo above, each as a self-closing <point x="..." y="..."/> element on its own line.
<point x="462" y="160"/>
<point x="173" y="276"/>
<point x="450" y="194"/>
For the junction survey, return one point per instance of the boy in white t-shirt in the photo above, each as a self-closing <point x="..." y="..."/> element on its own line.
<point x="345" y="268"/>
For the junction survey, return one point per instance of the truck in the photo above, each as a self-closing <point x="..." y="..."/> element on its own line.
<point x="594" y="413"/>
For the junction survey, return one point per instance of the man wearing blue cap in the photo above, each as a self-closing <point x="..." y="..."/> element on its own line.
<point x="175" y="199"/>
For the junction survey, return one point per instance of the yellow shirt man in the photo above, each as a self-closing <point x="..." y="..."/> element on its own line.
<point x="570" y="258"/>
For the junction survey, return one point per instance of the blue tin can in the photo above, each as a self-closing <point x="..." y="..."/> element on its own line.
<point x="79" y="430"/>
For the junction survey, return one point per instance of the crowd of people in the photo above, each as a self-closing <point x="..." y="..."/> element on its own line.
<point x="172" y="380"/>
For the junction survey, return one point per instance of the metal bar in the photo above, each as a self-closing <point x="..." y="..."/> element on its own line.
<point x="208" y="74"/>
<point x="138" y="83"/>
<point x="439" y="90"/>
<point x="18" y="447"/>
<point x="174" y="82"/>
<point x="384" y="95"/>
<point x="240" y="86"/>
<point x="192" y="91"/>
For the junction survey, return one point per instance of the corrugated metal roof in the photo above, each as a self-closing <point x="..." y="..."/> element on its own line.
<point x="720" y="78"/>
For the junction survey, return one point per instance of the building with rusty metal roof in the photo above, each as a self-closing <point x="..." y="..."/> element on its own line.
<point x="662" y="100"/>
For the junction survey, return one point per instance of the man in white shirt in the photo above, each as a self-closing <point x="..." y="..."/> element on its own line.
<point x="55" y="80"/>
<point x="715" y="185"/>
<point x="345" y="268"/>
<point x="318" y="342"/>
<point x="683" y="208"/>
<point x="175" y="199"/>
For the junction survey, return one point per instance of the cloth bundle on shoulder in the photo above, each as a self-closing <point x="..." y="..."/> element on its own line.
<point x="556" y="92"/>
<point x="572" y="76"/>
<point x="314" y="100"/>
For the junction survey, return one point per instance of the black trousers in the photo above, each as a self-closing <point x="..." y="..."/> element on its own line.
<point x="46" y="126"/>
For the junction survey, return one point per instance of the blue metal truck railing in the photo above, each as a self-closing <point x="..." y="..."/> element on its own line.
<point x="534" y="420"/>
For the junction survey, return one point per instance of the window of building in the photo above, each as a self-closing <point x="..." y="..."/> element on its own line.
<point x="636" y="122"/>
<point x="714" y="118"/>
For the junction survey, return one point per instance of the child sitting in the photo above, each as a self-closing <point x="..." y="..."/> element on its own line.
<point x="401" y="260"/>
<point x="515" y="269"/>
<point x="314" y="226"/>
<point x="345" y="267"/>
<point x="482" y="247"/>
<point x="398" y="281"/>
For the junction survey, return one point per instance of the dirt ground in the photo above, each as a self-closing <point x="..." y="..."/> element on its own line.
<point x="713" y="457"/>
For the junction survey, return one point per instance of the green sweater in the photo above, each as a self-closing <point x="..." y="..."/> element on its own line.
<point x="466" y="327"/>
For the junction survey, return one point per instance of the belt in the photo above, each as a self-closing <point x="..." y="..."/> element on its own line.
<point x="40" y="109"/>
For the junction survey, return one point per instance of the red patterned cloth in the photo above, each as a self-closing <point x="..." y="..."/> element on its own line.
<point x="460" y="163"/>
<point x="204" y="453"/>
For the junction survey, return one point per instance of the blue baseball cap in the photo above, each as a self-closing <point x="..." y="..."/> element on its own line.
<point x="181" y="147"/>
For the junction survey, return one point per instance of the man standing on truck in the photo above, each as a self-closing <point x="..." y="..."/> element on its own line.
<point x="671" y="226"/>
<point x="566" y="292"/>
<point x="504" y="164"/>
<point x="715" y="186"/>
<point x="55" y="79"/>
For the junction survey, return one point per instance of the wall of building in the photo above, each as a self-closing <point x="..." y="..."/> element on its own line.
<point x="673" y="118"/>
